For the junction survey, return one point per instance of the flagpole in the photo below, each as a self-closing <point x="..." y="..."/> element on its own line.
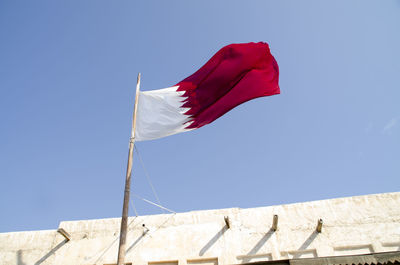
<point x="125" y="209"/>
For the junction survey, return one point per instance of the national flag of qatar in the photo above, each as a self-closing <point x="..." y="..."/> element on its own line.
<point x="235" y="74"/>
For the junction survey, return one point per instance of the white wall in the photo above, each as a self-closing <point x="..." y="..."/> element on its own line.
<point x="354" y="225"/>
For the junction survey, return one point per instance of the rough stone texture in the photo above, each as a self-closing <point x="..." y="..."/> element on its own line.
<point x="354" y="225"/>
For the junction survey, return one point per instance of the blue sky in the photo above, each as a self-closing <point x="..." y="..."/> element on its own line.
<point x="67" y="79"/>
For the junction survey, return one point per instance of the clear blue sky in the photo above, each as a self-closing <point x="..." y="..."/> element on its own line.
<point x="67" y="78"/>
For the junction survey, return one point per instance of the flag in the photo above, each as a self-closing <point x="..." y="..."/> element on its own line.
<point x="235" y="74"/>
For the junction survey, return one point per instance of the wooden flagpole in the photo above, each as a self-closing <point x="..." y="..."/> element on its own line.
<point x="125" y="209"/>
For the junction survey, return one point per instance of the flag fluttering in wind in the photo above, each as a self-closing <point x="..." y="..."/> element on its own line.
<point x="235" y="74"/>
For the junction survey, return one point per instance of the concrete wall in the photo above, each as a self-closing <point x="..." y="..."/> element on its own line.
<point x="354" y="225"/>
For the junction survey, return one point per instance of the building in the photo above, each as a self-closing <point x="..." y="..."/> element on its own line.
<point x="359" y="230"/>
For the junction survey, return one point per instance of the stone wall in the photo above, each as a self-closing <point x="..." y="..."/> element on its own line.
<point x="354" y="225"/>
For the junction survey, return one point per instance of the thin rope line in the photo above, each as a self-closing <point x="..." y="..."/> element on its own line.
<point x="105" y="249"/>
<point x="153" y="203"/>
<point x="146" y="173"/>
<point x="133" y="206"/>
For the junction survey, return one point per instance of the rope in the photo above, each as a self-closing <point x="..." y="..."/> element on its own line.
<point x="105" y="249"/>
<point x="134" y="208"/>
<point x="116" y="237"/>
<point x="153" y="203"/>
<point x="146" y="173"/>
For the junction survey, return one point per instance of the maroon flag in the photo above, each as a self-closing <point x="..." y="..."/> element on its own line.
<point x="235" y="74"/>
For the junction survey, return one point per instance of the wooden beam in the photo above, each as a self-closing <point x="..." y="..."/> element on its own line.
<point x="319" y="226"/>
<point x="275" y="223"/>
<point x="64" y="234"/>
<point x="227" y="222"/>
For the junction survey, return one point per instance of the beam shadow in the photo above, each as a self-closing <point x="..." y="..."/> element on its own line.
<point x="261" y="243"/>
<point x="306" y="244"/>
<point x="134" y="243"/>
<point x="258" y="246"/>
<point x="19" y="258"/>
<point x="212" y="241"/>
<point x="51" y="252"/>
<point x="148" y="233"/>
